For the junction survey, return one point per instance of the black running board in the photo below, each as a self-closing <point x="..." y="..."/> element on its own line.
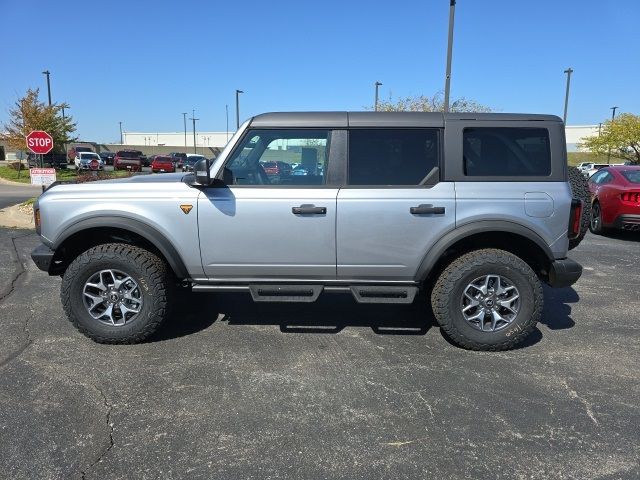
<point x="383" y="294"/>
<point x="310" y="293"/>
<point x="285" y="293"/>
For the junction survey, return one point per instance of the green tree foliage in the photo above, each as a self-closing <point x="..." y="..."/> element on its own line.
<point x="30" y="114"/>
<point x="620" y="137"/>
<point x="435" y="103"/>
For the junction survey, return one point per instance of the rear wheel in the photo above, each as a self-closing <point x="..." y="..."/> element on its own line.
<point x="117" y="293"/>
<point x="487" y="300"/>
<point x="596" y="219"/>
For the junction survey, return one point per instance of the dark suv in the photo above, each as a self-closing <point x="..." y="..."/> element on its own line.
<point x="128" y="160"/>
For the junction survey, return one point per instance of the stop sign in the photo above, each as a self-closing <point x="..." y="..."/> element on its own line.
<point x="39" y="142"/>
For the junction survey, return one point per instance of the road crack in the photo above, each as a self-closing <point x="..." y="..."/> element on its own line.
<point x="587" y="406"/>
<point x="18" y="273"/>
<point x="109" y="408"/>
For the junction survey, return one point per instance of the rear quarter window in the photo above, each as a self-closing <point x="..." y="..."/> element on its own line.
<point x="506" y="152"/>
<point x="632" y="175"/>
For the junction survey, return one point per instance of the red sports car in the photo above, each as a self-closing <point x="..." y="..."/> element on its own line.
<point x="615" y="194"/>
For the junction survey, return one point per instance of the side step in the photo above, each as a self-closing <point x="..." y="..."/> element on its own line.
<point x="285" y="293"/>
<point x="310" y="293"/>
<point x="375" y="294"/>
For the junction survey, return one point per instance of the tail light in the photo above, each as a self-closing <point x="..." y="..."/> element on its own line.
<point x="575" y="218"/>
<point x="630" y="197"/>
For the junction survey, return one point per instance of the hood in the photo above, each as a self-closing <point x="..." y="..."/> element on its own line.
<point x="164" y="178"/>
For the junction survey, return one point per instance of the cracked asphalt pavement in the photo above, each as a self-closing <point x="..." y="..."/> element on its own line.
<point x="230" y="389"/>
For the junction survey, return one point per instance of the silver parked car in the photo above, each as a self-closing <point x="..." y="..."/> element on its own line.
<point x="476" y="210"/>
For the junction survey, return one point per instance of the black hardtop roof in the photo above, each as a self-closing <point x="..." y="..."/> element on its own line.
<point x="383" y="119"/>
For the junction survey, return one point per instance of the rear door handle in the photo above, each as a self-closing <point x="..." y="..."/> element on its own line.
<point x="309" y="210"/>
<point x="426" y="208"/>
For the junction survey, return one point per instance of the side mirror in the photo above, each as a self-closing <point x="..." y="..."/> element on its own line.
<point x="201" y="170"/>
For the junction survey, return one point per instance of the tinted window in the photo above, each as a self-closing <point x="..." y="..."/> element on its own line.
<point x="506" y="152"/>
<point x="391" y="156"/>
<point x="597" y="177"/>
<point x="128" y="155"/>
<point x="632" y="175"/>
<point x="255" y="160"/>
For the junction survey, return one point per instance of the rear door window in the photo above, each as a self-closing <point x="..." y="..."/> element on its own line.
<point x="399" y="157"/>
<point x="506" y="152"/>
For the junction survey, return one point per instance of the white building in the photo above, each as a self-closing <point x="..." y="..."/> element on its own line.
<point x="176" y="139"/>
<point x="574" y="134"/>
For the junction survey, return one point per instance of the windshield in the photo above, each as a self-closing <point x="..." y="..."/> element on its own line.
<point x="632" y="175"/>
<point x="89" y="156"/>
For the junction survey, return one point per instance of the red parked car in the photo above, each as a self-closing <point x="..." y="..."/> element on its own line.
<point x="276" y="168"/>
<point x="162" y="164"/>
<point x="615" y="193"/>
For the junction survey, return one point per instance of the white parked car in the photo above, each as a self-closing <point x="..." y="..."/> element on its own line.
<point x="593" y="168"/>
<point x="584" y="166"/>
<point x="88" y="161"/>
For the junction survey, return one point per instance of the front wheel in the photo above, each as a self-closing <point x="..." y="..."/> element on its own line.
<point x="117" y="293"/>
<point x="487" y="300"/>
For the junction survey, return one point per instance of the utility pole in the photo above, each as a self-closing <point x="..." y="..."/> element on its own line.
<point x="47" y="73"/>
<point x="568" y="71"/>
<point x="238" y="92"/>
<point x="375" y="104"/>
<point x="193" y="118"/>
<point x="447" y="83"/>
<point x="121" y="140"/>
<point x="226" y="107"/>
<point x="613" y="117"/>
<point x="184" y="118"/>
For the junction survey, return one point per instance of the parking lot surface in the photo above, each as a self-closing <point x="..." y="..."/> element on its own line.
<point x="232" y="389"/>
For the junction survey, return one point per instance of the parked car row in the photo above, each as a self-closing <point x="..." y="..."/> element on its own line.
<point x="589" y="168"/>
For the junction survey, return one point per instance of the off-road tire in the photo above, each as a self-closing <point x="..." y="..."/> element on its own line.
<point x="446" y="299"/>
<point x="580" y="190"/>
<point x="150" y="272"/>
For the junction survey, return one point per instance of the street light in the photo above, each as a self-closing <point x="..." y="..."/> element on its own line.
<point x="568" y="71"/>
<point x="375" y="105"/>
<point x="121" y="141"/>
<point x="447" y="82"/>
<point x="226" y="108"/>
<point x="184" y="118"/>
<point x="613" y="117"/>
<point x="47" y="73"/>
<point x="193" y="118"/>
<point x="238" y="92"/>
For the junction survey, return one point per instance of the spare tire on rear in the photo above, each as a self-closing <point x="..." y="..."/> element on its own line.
<point x="580" y="190"/>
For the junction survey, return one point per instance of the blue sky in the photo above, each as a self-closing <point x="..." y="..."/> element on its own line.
<point x="143" y="63"/>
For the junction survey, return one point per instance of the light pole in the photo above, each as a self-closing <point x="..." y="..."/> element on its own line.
<point x="568" y="71"/>
<point x="121" y="141"/>
<point x="375" y="104"/>
<point x="193" y="118"/>
<point x="47" y="73"/>
<point x="599" y="128"/>
<point x="226" y="108"/>
<point x="238" y="92"/>
<point x="184" y="118"/>
<point x="613" y="117"/>
<point x="447" y="82"/>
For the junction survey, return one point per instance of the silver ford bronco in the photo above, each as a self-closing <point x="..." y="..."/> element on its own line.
<point x="475" y="210"/>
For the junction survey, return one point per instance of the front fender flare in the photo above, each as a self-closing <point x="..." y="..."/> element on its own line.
<point x="146" y="231"/>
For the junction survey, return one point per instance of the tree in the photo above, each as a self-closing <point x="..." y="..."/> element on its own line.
<point x="435" y="103"/>
<point x="620" y="137"/>
<point x="30" y="114"/>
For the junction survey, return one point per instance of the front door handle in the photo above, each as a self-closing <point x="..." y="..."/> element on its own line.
<point x="426" y="208"/>
<point x="309" y="210"/>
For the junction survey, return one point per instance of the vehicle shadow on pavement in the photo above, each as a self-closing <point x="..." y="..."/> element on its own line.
<point x="556" y="314"/>
<point x="329" y="314"/>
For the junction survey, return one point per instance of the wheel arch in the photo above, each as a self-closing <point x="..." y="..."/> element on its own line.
<point x="509" y="236"/>
<point x="105" y="229"/>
